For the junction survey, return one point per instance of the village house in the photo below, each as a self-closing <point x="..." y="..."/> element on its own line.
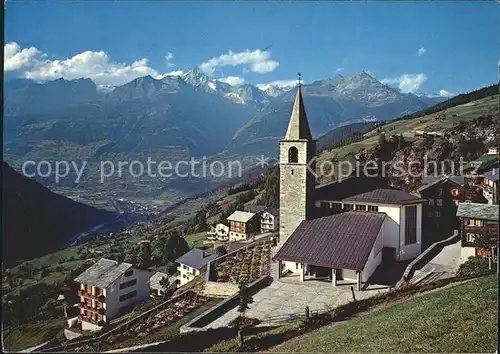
<point x="191" y="264"/>
<point x="269" y="220"/>
<point x="367" y="224"/>
<point x="493" y="150"/>
<point x="107" y="290"/>
<point x="219" y="233"/>
<point x="442" y="195"/>
<point x="242" y="225"/>
<point x="475" y="220"/>
<point x="490" y="186"/>
<point x="158" y="289"/>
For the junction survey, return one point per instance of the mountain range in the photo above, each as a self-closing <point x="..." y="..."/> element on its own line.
<point x="177" y="117"/>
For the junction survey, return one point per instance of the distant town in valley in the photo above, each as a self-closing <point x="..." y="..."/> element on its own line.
<point x="288" y="198"/>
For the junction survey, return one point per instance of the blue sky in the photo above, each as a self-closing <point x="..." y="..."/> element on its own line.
<point x="113" y="42"/>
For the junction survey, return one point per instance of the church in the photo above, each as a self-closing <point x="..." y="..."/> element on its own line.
<point x="341" y="231"/>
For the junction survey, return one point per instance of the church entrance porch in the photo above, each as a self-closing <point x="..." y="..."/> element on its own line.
<point x="308" y="272"/>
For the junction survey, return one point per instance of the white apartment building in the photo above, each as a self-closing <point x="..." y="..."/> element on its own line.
<point x="191" y="263"/>
<point x="109" y="289"/>
<point x="269" y="221"/>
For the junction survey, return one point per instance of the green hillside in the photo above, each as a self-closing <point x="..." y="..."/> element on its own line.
<point x="451" y="117"/>
<point x="460" y="318"/>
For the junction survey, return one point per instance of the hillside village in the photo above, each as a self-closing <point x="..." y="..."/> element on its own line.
<point x="295" y="246"/>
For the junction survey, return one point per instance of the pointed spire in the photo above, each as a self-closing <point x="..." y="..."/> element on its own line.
<point x="298" y="127"/>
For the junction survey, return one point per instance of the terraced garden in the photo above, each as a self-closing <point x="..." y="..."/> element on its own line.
<point x="245" y="265"/>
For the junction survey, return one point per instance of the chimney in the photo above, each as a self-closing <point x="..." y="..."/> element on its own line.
<point x="203" y="255"/>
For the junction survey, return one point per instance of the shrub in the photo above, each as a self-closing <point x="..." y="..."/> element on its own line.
<point x="244" y="322"/>
<point x="473" y="266"/>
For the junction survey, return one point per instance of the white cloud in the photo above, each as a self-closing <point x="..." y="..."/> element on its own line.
<point x="256" y="61"/>
<point x="284" y="84"/>
<point x="169" y="58"/>
<point x="175" y="73"/>
<point x="31" y="63"/>
<point x="444" y="93"/>
<point x="339" y="70"/>
<point x="407" y="82"/>
<point x="233" y="80"/>
<point x="15" y="58"/>
<point x="421" y="51"/>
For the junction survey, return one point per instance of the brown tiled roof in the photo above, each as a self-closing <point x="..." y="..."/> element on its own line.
<point x="341" y="241"/>
<point x="390" y="196"/>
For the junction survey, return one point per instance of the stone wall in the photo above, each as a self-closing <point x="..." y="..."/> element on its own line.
<point x="297" y="185"/>
<point x="213" y="288"/>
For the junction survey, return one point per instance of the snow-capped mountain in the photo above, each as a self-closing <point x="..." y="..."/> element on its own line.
<point x="245" y="94"/>
<point x="273" y="91"/>
<point x="201" y="81"/>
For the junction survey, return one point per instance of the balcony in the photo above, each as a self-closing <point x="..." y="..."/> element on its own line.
<point x="100" y="298"/>
<point x="99" y="310"/>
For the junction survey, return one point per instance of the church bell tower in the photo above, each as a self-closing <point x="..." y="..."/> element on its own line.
<point x="297" y="182"/>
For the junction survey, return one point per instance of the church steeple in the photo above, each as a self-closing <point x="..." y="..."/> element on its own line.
<point x="298" y="127"/>
<point x="297" y="182"/>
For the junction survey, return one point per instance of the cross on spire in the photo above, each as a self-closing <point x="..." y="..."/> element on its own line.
<point x="299" y="78"/>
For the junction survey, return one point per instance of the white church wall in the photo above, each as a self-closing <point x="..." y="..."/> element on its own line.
<point x="413" y="250"/>
<point x="294" y="267"/>
<point x="375" y="257"/>
<point x="391" y="225"/>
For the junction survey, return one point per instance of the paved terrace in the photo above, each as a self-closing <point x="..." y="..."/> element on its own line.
<point x="288" y="295"/>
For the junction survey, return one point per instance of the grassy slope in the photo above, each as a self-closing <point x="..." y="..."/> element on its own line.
<point x="461" y="318"/>
<point x="32" y="334"/>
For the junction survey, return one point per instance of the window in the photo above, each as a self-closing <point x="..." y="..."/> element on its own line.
<point x="437" y="213"/>
<point x="475" y="222"/>
<point x="324" y="205"/>
<point x="348" y="207"/>
<point x="293" y="155"/>
<point x="184" y="275"/>
<point x="440" y="192"/>
<point x="184" y="266"/>
<point x="430" y="214"/>
<point x="296" y="266"/>
<point x="336" y="206"/>
<point x="128" y="296"/>
<point x="411" y="225"/>
<point x="360" y="207"/>
<point x="372" y="208"/>
<point x="128" y="284"/>
<point x="470" y="237"/>
<point x="431" y="202"/>
<point x="129" y="272"/>
<point x="439" y="202"/>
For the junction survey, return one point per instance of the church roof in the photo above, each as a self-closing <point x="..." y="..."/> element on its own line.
<point x="348" y="187"/>
<point x="298" y="127"/>
<point x="337" y="241"/>
<point x="389" y="196"/>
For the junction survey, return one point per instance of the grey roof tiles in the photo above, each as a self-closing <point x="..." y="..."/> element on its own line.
<point x="341" y="241"/>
